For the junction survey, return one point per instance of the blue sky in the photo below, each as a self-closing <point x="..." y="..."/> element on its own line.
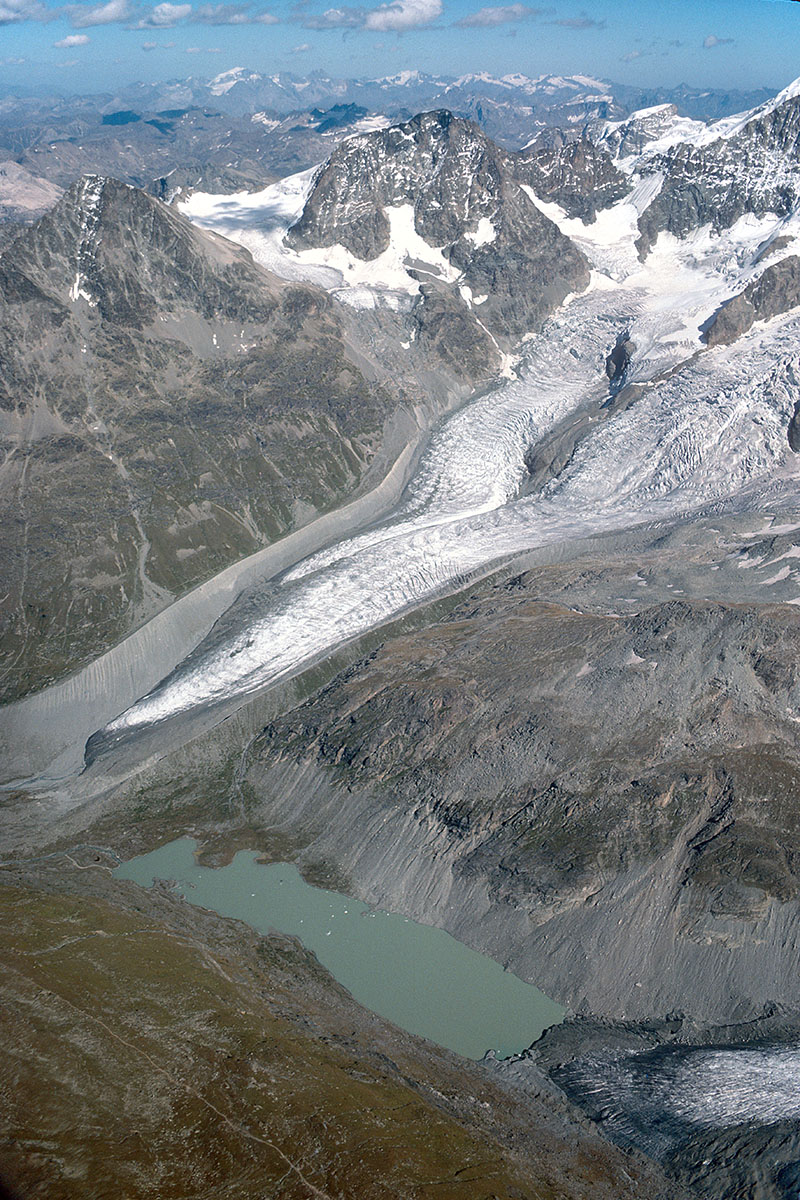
<point x="90" y="45"/>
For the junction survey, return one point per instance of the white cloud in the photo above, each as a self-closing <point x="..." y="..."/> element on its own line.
<point x="301" y="49"/>
<point x="403" y="14"/>
<point x="72" y="39"/>
<point x="23" y="10"/>
<point x="100" y="14"/>
<point x="164" y="16"/>
<point x="396" y="16"/>
<point x="487" y="18"/>
<point x="712" y="40"/>
<point x="231" y="14"/>
<point x="336" y="18"/>
<point x="221" y="14"/>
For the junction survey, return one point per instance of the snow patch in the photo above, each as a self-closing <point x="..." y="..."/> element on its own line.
<point x="260" y="220"/>
<point x="484" y="234"/>
<point x="778" y="577"/>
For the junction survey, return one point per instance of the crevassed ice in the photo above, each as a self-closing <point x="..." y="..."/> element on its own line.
<point x="731" y="1087"/>
<point x="691" y="440"/>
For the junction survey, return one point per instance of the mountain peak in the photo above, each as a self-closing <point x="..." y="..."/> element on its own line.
<point x="443" y="165"/>
<point x="441" y="201"/>
<point x="127" y="255"/>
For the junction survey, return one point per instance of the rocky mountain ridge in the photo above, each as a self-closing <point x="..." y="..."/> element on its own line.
<point x="166" y="407"/>
<point x="738" y="167"/>
<point x="510" y="261"/>
<point x="273" y="125"/>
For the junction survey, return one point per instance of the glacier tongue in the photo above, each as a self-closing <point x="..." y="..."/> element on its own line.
<point x="697" y="439"/>
<point x="704" y="430"/>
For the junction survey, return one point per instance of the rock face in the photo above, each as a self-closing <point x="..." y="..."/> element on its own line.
<point x="624" y="138"/>
<point x="515" y="263"/>
<point x="166" y="407"/>
<point x="748" y="168"/>
<point x="579" y="176"/>
<point x="776" y="291"/>
<point x="620" y="357"/>
<point x="612" y="795"/>
<point x="459" y="169"/>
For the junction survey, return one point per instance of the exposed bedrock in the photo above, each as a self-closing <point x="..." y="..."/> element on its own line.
<point x="468" y="204"/>
<point x="620" y="357"/>
<point x="718" y="182"/>
<point x="603" y="802"/>
<point x="776" y="291"/>
<point x="579" y="176"/>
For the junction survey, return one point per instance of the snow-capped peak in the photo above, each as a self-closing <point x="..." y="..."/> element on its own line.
<point x="223" y="82"/>
<point x="728" y="127"/>
<point x="401" y="79"/>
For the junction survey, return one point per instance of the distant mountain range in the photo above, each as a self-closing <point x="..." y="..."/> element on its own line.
<point x="545" y="99"/>
<point x="244" y="128"/>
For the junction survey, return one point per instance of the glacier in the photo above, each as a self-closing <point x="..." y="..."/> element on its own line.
<point x="705" y="433"/>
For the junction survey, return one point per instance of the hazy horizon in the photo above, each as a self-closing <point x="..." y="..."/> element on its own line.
<point x="85" y="47"/>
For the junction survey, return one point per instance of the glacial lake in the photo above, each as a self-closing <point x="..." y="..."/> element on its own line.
<point x="418" y="977"/>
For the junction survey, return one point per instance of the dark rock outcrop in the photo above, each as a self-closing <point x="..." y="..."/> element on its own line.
<point x="579" y="176"/>
<point x="467" y="203"/>
<point x="618" y="361"/>
<point x="776" y="291"/>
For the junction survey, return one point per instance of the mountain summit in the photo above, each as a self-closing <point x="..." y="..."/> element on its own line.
<point x="448" y="200"/>
<point x="739" y="165"/>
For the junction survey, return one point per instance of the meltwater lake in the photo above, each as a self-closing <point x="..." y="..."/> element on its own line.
<point x="418" y="977"/>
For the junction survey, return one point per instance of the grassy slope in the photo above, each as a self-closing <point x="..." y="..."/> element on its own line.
<point x="178" y="1055"/>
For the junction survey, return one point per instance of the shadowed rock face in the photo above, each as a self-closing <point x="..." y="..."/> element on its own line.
<point x="776" y="291"/>
<point x="167" y="407"/>
<point x="620" y="357"/>
<point x="466" y="201"/>
<point x="751" y="172"/>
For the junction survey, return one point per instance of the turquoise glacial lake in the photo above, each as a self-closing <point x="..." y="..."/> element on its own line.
<point x="418" y="977"/>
